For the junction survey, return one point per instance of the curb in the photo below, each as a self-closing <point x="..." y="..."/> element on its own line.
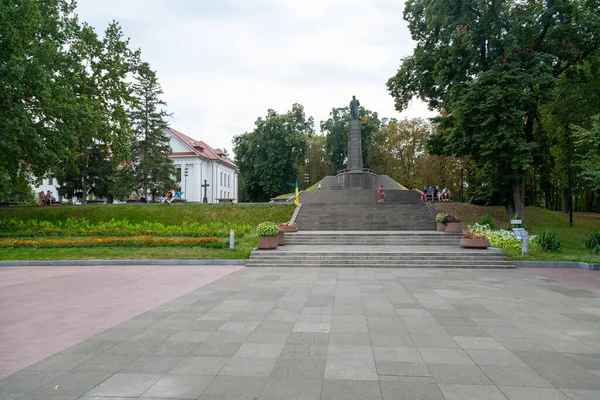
<point x="90" y="263"/>
<point x="557" y="264"/>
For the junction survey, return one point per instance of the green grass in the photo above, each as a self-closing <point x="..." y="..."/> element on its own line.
<point x="243" y="248"/>
<point x="537" y="220"/>
<point x="284" y="196"/>
<point x="169" y="214"/>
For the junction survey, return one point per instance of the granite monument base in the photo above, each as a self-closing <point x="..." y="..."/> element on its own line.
<point x="356" y="179"/>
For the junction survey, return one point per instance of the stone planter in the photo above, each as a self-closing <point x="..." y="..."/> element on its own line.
<point x="441" y="227"/>
<point x="475" y="243"/>
<point x="287" y="228"/>
<point x="267" y="242"/>
<point x="281" y="238"/>
<point x="453" y="227"/>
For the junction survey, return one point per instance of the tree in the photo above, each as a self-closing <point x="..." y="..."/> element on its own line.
<point x="316" y="164"/>
<point x="336" y="129"/>
<point x="488" y="66"/>
<point x="269" y="156"/>
<point x="588" y="141"/>
<point x="36" y="89"/>
<point x="102" y="177"/>
<point x="153" y="170"/>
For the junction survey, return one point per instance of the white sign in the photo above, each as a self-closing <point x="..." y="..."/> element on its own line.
<point x="516" y="222"/>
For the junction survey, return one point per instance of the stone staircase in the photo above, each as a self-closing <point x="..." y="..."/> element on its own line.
<point x="349" y="229"/>
<point x="331" y="209"/>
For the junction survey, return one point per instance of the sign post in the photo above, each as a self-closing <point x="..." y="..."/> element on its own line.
<point x="521" y="234"/>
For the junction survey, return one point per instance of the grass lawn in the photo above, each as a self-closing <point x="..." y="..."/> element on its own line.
<point x="169" y="214"/>
<point x="537" y="220"/>
<point x="243" y="248"/>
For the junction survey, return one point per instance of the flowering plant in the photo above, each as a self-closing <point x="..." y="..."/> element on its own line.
<point x="267" y="229"/>
<point x="450" y="218"/>
<point x="287" y="224"/>
<point x="440" y="217"/>
<point x="502" y="238"/>
<point x="95" y="241"/>
<point x="471" y="235"/>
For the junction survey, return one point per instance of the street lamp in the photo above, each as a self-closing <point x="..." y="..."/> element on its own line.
<point x="185" y="174"/>
<point x="306" y="179"/>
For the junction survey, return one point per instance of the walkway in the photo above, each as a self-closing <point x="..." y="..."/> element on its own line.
<point x="44" y="310"/>
<point x="297" y="333"/>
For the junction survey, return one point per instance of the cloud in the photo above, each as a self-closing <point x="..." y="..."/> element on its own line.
<point x="222" y="64"/>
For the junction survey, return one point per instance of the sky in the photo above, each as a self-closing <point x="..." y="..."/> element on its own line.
<point x="224" y="63"/>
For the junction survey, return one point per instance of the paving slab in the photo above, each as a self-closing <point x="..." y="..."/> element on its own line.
<point x="319" y="333"/>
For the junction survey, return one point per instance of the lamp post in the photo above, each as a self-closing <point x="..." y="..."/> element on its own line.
<point x="306" y="180"/>
<point x="185" y="175"/>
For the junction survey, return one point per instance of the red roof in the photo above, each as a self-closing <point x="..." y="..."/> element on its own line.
<point x="200" y="148"/>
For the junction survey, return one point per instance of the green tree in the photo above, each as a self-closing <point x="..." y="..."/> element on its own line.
<point x="153" y="170"/>
<point x="36" y="89"/>
<point x="588" y="141"/>
<point x="269" y="156"/>
<point x="336" y="129"/>
<point x="316" y="164"/>
<point x="488" y="66"/>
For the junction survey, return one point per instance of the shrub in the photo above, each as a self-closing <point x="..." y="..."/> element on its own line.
<point x="504" y="239"/>
<point x="549" y="240"/>
<point x="487" y="220"/>
<point x="267" y="229"/>
<point x="450" y="218"/>
<point x="440" y="217"/>
<point x="593" y="241"/>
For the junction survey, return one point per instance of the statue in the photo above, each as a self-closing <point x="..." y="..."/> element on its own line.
<point x="354" y="108"/>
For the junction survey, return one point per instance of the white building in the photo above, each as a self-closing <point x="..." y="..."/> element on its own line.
<point x="203" y="163"/>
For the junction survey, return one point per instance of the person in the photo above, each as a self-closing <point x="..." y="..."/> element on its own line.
<point x="436" y="193"/>
<point x="443" y="194"/>
<point x="448" y="196"/>
<point x="48" y="198"/>
<point x="142" y="196"/>
<point x="424" y="194"/>
<point x="354" y="104"/>
<point x="178" y="193"/>
<point x="381" y="194"/>
<point x="168" y="196"/>
<point x="319" y="186"/>
<point x="430" y="193"/>
<point x="42" y="198"/>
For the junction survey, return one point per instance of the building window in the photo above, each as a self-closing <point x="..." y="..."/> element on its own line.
<point x="178" y="176"/>
<point x="50" y="181"/>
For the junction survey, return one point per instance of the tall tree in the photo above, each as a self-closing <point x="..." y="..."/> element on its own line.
<point x="317" y="164"/>
<point x="153" y="170"/>
<point x="269" y="156"/>
<point x="336" y="128"/>
<point x="36" y="89"/>
<point x="489" y="65"/>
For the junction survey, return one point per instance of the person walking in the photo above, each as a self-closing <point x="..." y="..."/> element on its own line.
<point x="381" y="194"/>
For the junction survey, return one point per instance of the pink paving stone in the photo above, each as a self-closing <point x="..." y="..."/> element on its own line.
<point x="582" y="278"/>
<point x="44" y="310"/>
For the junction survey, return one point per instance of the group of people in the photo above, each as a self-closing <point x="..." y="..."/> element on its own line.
<point x="436" y="194"/>
<point x="45" y="199"/>
<point x="171" y="195"/>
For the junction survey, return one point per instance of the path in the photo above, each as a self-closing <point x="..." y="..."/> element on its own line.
<point x="326" y="333"/>
<point x="44" y="310"/>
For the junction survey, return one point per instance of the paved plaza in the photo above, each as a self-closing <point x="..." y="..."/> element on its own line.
<point x="299" y="333"/>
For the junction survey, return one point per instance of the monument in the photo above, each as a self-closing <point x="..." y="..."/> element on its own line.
<point x="355" y="176"/>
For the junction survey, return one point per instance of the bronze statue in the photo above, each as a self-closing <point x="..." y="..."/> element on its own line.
<point x="354" y="104"/>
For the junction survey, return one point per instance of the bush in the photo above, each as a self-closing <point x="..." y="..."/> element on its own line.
<point x="504" y="239"/>
<point x="440" y="217"/>
<point x="267" y="229"/>
<point x="487" y="220"/>
<point x="549" y="240"/>
<point x="593" y="241"/>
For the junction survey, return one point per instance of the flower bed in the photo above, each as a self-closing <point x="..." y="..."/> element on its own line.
<point x="502" y="238"/>
<point x="80" y="226"/>
<point x="135" y="241"/>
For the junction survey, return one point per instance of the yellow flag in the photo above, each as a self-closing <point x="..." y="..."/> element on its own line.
<point x="296" y="199"/>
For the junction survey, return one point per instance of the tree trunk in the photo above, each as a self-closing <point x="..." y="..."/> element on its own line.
<point x="515" y="204"/>
<point x="564" y="200"/>
<point x="597" y="200"/>
<point x="84" y="187"/>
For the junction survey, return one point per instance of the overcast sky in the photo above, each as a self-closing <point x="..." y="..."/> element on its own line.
<point x="224" y="63"/>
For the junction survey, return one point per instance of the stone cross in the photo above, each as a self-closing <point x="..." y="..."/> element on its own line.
<point x="205" y="200"/>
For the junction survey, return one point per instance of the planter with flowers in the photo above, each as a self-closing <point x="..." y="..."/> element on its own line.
<point x="267" y="235"/>
<point x="287" y="227"/>
<point x="473" y="241"/>
<point x="452" y="224"/>
<point x="440" y="222"/>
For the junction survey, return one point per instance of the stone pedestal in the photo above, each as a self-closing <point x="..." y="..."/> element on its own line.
<point x="355" y="160"/>
<point x="356" y="179"/>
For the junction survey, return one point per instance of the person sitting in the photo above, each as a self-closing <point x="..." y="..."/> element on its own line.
<point x="142" y="196"/>
<point x="48" y="198"/>
<point x="41" y="198"/>
<point x="178" y="193"/>
<point x="424" y="194"/>
<point x="436" y="193"/>
<point x="430" y="193"/>
<point x="168" y="196"/>
<point x="448" y="196"/>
